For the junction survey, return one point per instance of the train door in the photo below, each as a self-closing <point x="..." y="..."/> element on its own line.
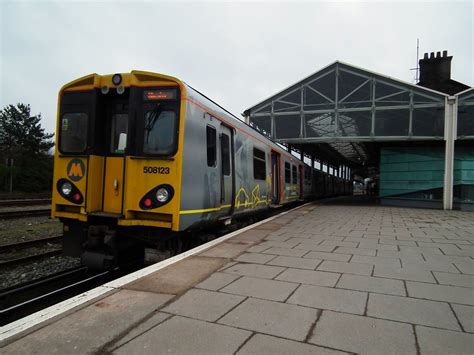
<point x="275" y="178"/>
<point x="117" y="127"/>
<point x="226" y="169"/>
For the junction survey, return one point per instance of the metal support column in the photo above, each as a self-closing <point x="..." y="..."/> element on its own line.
<point x="272" y="122"/>
<point x="450" y="131"/>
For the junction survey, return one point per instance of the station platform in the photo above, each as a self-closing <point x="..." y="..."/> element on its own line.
<point x="320" y="279"/>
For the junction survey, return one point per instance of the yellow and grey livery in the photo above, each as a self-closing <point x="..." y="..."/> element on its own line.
<point x="144" y="154"/>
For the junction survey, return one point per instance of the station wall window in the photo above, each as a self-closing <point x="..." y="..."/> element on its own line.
<point x="259" y="164"/>
<point x="287" y="173"/>
<point x="211" y="146"/>
<point x="295" y="174"/>
<point x="225" y="154"/>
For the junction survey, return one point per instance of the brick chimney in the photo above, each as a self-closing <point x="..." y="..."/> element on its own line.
<point x="435" y="73"/>
<point x="435" y="68"/>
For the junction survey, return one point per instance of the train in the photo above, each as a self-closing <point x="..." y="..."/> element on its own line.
<point x="144" y="158"/>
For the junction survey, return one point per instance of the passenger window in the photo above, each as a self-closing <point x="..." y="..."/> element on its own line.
<point x="73" y="135"/>
<point x="287" y="173"/>
<point x="225" y="154"/>
<point x="259" y="164"/>
<point x="160" y="132"/>
<point x="211" y="146"/>
<point x="295" y="174"/>
<point x="118" y="140"/>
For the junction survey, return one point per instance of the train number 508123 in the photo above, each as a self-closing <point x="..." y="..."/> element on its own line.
<point x="155" y="170"/>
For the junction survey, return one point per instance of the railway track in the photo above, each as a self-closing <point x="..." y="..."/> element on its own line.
<point x="11" y="254"/>
<point x="25" y="202"/>
<point x="21" y="300"/>
<point x="25" y="213"/>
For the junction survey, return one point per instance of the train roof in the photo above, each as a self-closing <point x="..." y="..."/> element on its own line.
<point x="218" y="110"/>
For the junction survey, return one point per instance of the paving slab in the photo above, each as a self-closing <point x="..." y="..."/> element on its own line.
<point x="363" y="335"/>
<point x="203" y="304"/>
<point x="376" y="260"/>
<point x="265" y="344"/>
<point x="329" y="298"/>
<point x="309" y="277"/>
<point x="327" y="256"/>
<point x="300" y="263"/>
<point x="466" y="267"/>
<point x="454" y="294"/>
<point x="442" y="342"/>
<point x="141" y="328"/>
<point x="180" y="335"/>
<point x="255" y="270"/>
<point x="410" y="310"/>
<point x="261" y="288"/>
<point x="274" y="318"/>
<point x="350" y="268"/>
<point x="466" y="316"/>
<point x="225" y="250"/>
<point x="253" y="236"/>
<point x="355" y="251"/>
<point x="431" y="266"/>
<point x="83" y="331"/>
<point x="178" y="277"/>
<point x="217" y="281"/>
<point x="372" y="284"/>
<point x="454" y="279"/>
<point x="256" y="258"/>
<point x="286" y="251"/>
<point x="413" y="274"/>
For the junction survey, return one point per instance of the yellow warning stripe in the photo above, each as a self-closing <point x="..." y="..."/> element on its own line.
<point x="206" y="210"/>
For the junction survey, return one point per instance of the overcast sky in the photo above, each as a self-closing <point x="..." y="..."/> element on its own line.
<point x="238" y="53"/>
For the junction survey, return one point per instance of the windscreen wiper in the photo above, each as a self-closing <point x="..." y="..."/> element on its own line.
<point x="155" y="113"/>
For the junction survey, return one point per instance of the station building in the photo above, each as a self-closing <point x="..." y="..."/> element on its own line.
<point x="415" y="141"/>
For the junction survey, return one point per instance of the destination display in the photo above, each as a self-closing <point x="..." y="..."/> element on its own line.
<point x="159" y="94"/>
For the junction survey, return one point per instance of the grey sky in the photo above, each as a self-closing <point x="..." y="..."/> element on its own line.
<point x="236" y="53"/>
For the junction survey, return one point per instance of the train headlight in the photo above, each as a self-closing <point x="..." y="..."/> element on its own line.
<point x="157" y="197"/>
<point x="66" y="188"/>
<point x="162" y="195"/>
<point x="116" y="79"/>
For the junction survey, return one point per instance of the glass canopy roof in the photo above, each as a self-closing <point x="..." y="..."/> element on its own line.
<point x="345" y="107"/>
<point x="466" y="115"/>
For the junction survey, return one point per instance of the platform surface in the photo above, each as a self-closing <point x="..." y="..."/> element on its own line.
<point x="323" y="279"/>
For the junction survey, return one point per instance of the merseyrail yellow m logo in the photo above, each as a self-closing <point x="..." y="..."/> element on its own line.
<point x="76" y="169"/>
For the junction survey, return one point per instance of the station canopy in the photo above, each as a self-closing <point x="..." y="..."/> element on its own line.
<point x="341" y="112"/>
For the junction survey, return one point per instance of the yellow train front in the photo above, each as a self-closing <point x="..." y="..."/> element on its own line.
<point x="97" y="188"/>
<point x="144" y="155"/>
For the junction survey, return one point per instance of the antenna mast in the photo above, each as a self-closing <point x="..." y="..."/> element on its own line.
<point x="417" y="68"/>
<point x="417" y="77"/>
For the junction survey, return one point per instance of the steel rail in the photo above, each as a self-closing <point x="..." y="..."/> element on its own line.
<point x="25" y="202"/>
<point x="26" y="298"/>
<point x="28" y="258"/>
<point x="25" y="213"/>
<point x="29" y="243"/>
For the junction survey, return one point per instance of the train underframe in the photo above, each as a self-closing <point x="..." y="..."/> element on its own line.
<point x="103" y="245"/>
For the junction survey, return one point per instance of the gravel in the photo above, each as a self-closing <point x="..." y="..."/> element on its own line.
<point x="31" y="228"/>
<point x="15" y="275"/>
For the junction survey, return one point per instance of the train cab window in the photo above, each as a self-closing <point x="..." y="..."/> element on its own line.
<point x="295" y="174"/>
<point x="287" y="173"/>
<point x="73" y="133"/>
<point x="211" y="146"/>
<point x="160" y="132"/>
<point x="118" y="140"/>
<point x="259" y="164"/>
<point x="225" y="153"/>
